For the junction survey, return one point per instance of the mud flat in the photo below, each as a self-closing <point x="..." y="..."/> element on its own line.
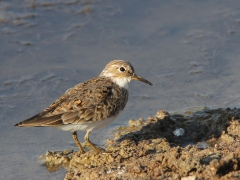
<point x="200" y="143"/>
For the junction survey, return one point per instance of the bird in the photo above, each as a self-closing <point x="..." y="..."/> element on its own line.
<point x="89" y="105"/>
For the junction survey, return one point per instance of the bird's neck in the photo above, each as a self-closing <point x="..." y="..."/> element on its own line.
<point x="120" y="81"/>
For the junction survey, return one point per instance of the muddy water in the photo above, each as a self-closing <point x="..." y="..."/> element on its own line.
<point x="189" y="50"/>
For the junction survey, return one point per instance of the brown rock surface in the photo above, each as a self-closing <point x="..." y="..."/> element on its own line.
<point x="208" y="149"/>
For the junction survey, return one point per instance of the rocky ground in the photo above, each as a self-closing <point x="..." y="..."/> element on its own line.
<point x="201" y="143"/>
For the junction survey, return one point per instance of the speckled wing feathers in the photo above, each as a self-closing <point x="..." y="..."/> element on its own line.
<point x="93" y="100"/>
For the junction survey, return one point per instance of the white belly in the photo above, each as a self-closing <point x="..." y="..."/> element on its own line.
<point x="87" y="126"/>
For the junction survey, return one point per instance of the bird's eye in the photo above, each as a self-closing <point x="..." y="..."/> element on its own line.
<point x="122" y="69"/>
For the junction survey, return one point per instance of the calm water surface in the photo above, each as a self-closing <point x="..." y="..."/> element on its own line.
<point x="189" y="50"/>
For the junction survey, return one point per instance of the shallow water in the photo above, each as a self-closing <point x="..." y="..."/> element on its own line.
<point x="189" y="50"/>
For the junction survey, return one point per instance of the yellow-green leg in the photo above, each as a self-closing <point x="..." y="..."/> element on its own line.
<point x="90" y="143"/>
<point x="74" y="135"/>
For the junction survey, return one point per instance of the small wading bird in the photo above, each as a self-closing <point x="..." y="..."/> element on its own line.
<point x="90" y="105"/>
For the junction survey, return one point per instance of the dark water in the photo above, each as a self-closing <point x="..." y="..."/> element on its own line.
<point x="189" y="50"/>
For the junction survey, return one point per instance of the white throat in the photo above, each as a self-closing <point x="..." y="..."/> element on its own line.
<point x="122" y="82"/>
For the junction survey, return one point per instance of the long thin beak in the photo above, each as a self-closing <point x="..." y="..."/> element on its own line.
<point x="139" y="78"/>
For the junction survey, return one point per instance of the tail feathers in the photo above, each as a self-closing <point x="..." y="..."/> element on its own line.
<point x="41" y="121"/>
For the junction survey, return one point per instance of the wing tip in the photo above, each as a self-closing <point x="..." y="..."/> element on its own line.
<point x="18" y="124"/>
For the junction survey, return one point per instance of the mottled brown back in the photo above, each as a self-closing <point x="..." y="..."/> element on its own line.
<point x="93" y="100"/>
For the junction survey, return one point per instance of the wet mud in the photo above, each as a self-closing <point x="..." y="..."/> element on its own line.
<point x="201" y="143"/>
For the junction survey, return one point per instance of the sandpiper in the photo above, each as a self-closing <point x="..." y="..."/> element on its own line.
<point x="90" y="105"/>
